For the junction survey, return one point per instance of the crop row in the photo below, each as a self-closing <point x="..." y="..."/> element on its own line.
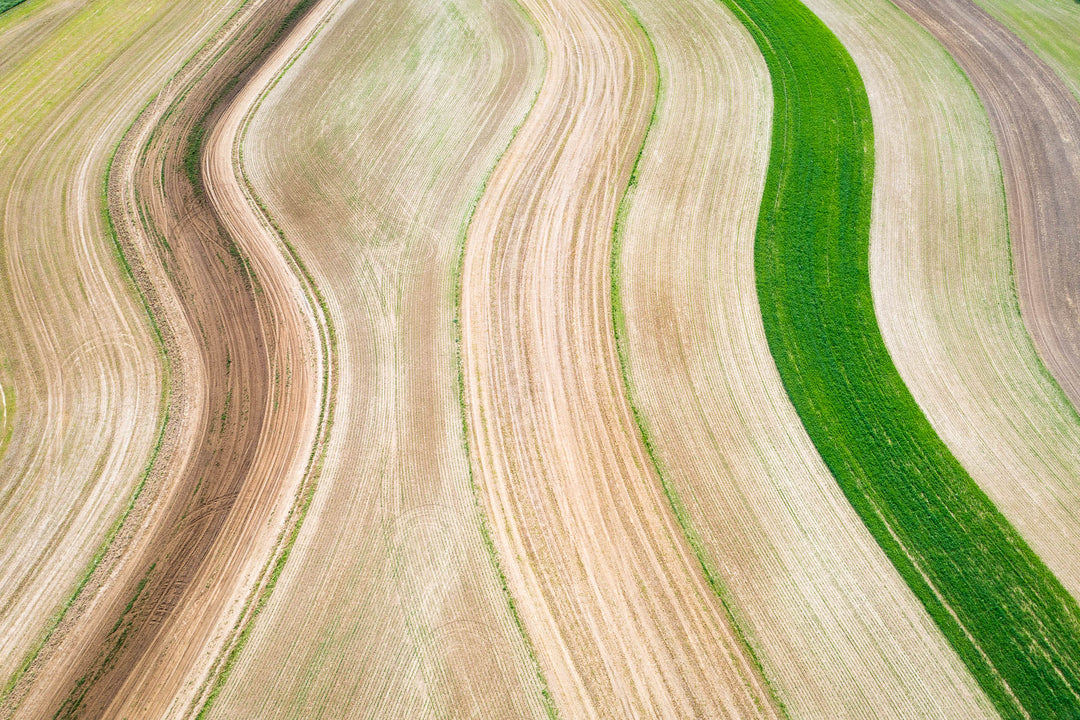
<point x="1006" y="615"/>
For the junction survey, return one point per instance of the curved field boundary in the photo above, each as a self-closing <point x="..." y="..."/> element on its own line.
<point x="244" y="436"/>
<point x="392" y="538"/>
<point x="1006" y="615"/>
<point x="327" y="340"/>
<point x="1036" y="121"/>
<point x="76" y="345"/>
<point x="1049" y="27"/>
<point x="945" y="292"/>
<point x="623" y="621"/>
<point x="769" y="523"/>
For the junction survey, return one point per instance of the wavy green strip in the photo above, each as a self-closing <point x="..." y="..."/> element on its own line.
<point x="1007" y="616"/>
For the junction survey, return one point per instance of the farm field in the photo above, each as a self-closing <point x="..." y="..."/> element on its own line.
<point x="539" y="358"/>
<point x="771" y="520"/>
<point x="80" y="370"/>
<point x="408" y="590"/>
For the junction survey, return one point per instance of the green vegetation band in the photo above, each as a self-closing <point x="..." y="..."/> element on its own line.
<point x="1007" y="616"/>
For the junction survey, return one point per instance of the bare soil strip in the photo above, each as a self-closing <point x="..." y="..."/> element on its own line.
<point x="370" y="154"/>
<point x="76" y="351"/>
<point x="241" y="333"/>
<point x="837" y="628"/>
<point x="611" y="594"/>
<point x="1036" y="121"/>
<point x="1003" y="611"/>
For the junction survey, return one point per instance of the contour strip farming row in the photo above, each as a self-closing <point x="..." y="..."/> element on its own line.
<point x="1036" y="120"/>
<point x="944" y="286"/>
<point x="1006" y="615"/>
<point x="405" y="586"/>
<point x="770" y="522"/>
<point x="588" y="599"/>
<point x="616" y="606"/>
<point x="80" y="370"/>
<point x="236" y="316"/>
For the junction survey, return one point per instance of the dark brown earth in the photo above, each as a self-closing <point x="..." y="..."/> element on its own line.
<point x="247" y="369"/>
<point x="1036" y="123"/>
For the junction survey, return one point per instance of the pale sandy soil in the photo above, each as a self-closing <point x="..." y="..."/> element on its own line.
<point x="955" y="324"/>
<point x="75" y="346"/>
<point x="241" y="334"/>
<point x="623" y="621"/>
<point x="370" y="154"/>
<point x="838" y="631"/>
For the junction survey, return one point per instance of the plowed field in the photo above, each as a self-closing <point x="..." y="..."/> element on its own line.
<point x="539" y="358"/>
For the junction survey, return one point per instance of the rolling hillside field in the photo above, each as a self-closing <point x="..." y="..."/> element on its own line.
<point x="539" y="359"/>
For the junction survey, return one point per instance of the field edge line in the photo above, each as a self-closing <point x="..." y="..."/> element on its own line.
<point x="618" y="322"/>
<point x="218" y="674"/>
<point x="128" y="275"/>
<point x="964" y="512"/>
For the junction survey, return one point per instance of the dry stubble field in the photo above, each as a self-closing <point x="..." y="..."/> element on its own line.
<point x="454" y="398"/>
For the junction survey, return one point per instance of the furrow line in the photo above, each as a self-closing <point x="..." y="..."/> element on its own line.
<point x="770" y="525"/>
<point x="236" y="318"/>
<point x="623" y="621"/>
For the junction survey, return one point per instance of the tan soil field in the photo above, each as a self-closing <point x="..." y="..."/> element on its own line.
<point x="454" y="397"/>
<point x="623" y="621"/>
<point x="370" y="153"/>
<point x="1035" y="119"/>
<point x="77" y="356"/>
<point x="838" y="631"/>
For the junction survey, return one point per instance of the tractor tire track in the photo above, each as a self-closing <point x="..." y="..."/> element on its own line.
<point x="242" y="334"/>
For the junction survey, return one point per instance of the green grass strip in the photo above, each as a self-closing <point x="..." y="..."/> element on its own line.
<point x="1007" y="616"/>
<point x="6" y="5"/>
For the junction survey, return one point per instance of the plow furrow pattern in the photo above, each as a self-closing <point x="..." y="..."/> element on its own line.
<point x="777" y="533"/>
<point x="1035" y="121"/>
<point x="235" y="321"/>
<point x="390" y="604"/>
<point x="81" y="374"/>
<point x="614" y="601"/>
<point x="539" y="358"/>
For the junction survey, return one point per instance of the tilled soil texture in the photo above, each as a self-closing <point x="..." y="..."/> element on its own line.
<point x="80" y="371"/>
<point x="943" y="284"/>
<point x="622" y="618"/>
<point x="370" y="154"/>
<point x="1036" y="122"/>
<point x="242" y="337"/>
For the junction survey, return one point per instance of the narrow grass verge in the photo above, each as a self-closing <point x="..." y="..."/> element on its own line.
<point x="1006" y="615"/>
<point x="275" y="565"/>
<point x="163" y="422"/>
